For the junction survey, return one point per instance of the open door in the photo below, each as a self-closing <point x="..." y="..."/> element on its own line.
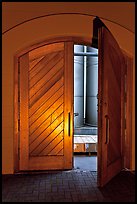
<point x="46" y="107"/>
<point x="110" y="107"/>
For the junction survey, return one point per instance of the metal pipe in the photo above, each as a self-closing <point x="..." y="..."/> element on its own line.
<point x="85" y="66"/>
<point x="92" y="88"/>
<point x="79" y="86"/>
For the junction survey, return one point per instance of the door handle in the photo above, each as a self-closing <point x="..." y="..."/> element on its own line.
<point x="69" y="124"/>
<point x="107" y="129"/>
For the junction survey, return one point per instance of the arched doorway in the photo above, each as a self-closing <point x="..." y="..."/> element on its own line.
<point x="67" y="127"/>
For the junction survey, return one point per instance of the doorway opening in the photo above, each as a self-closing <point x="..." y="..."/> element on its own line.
<point x="85" y="107"/>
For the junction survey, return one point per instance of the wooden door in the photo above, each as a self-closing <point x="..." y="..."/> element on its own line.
<point x="46" y="107"/>
<point x="111" y="107"/>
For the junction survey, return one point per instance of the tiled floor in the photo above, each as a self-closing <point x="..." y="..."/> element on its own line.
<point x="67" y="186"/>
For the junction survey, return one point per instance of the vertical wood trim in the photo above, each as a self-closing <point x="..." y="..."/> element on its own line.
<point x="123" y="72"/>
<point x="102" y="111"/>
<point x="128" y="141"/>
<point x="100" y="97"/>
<point x="24" y="126"/>
<point x="68" y="105"/>
<point x="15" y="141"/>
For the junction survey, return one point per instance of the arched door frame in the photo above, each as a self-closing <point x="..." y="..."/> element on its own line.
<point x="75" y="40"/>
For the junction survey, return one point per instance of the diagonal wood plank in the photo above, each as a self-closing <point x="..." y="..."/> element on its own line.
<point x="54" y="146"/>
<point x="46" y="86"/>
<point x="44" y="133"/>
<point x="44" y="60"/>
<point x="34" y="63"/>
<point x="48" y="112"/>
<point x="46" y="123"/>
<point x="44" y="50"/>
<point x="38" y="131"/>
<point x="61" y="151"/>
<point x="46" y="96"/>
<point x="58" y="150"/>
<point x="39" y="84"/>
<point x="46" y="106"/>
<point x="45" y="139"/>
<point x="45" y="65"/>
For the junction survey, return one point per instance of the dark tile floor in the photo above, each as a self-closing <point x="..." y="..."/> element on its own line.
<point x="67" y="186"/>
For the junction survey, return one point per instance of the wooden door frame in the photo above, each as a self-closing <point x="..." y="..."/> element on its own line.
<point x="128" y="111"/>
<point x="74" y="40"/>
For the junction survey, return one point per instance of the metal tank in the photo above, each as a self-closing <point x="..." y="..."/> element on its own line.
<point x="91" y="88"/>
<point x="78" y="87"/>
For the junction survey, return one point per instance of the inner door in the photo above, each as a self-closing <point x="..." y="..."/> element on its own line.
<point x="46" y="107"/>
<point x="111" y="107"/>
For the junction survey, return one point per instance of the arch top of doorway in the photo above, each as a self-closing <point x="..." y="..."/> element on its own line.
<point x="70" y="13"/>
<point x="76" y="40"/>
<point x="87" y="41"/>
